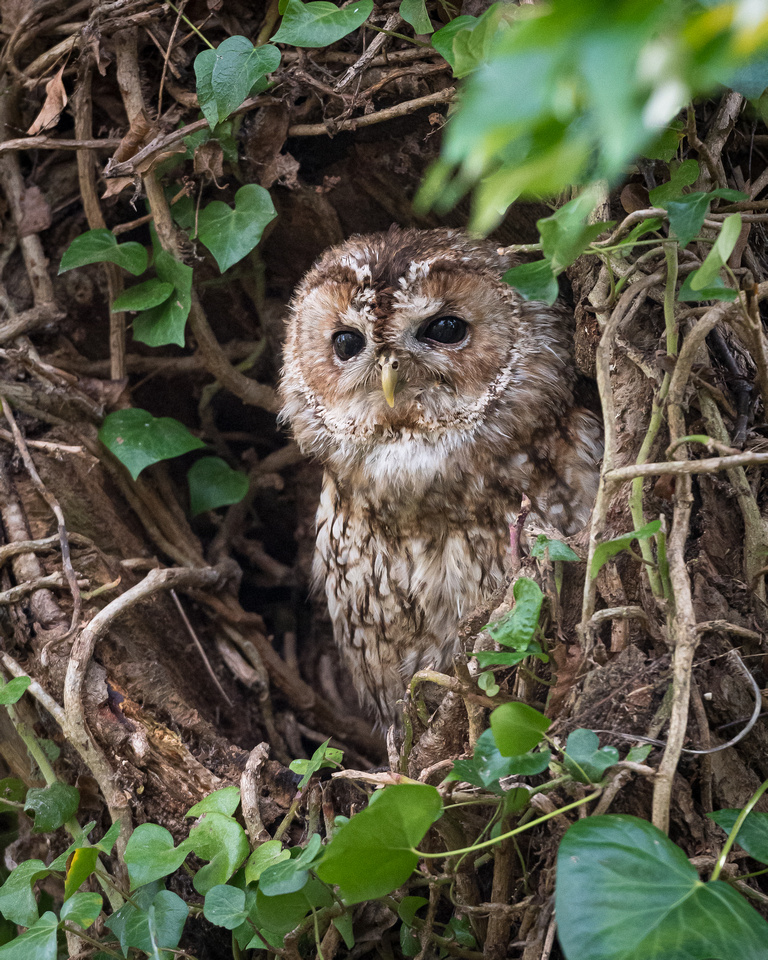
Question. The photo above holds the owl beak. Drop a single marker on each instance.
(389, 367)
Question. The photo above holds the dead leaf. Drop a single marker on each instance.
(209, 160)
(635, 197)
(55, 101)
(35, 212)
(116, 185)
(137, 137)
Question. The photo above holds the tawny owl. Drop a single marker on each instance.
(434, 396)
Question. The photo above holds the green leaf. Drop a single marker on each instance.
(518, 728)
(151, 293)
(213, 483)
(281, 878)
(14, 790)
(683, 176)
(52, 805)
(165, 323)
(82, 908)
(624, 891)
(751, 80)
(374, 853)
(225, 906)
(345, 926)
(150, 854)
(687, 214)
(225, 801)
(442, 41)
(509, 658)
(231, 234)
(752, 835)
(708, 273)
(156, 923)
(488, 766)
(38, 942)
(716, 290)
(473, 44)
(556, 549)
(321, 23)
(487, 682)
(222, 841)
(415, 13)
(317, 761)
(13, 690)
(108, 840)
(638, 754)
(609, 548)
(517, 628)
(81, 866)
(17, 901)
(280, 915)
(138, 439)
(667, 143)
(100, 246)
(264, 856)
(534, 281)
(226, 75)
(585, 759)
(565, 235)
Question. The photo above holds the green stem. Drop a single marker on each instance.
(735, 829)
(512, 833)
(190, 25)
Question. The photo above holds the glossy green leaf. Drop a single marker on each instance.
(309, 767)
(624, 891)
(138, 439)
(509, 658)
(82, 908)
(52, 805)
(213, 483)
(222, 841)
(517, 628)
(40, 941)
(374, 853)
(165, 323)
(534, 281)
(158, 918)
(279, 915)
(472, 45)
(721, 249)
(415, 13)
(150, 854)
(231, 234)
(225, 906)
(283, 877)
(225, 801)
(264, 856)
(716, 290)
(639, 754)
(345, 926)
(518, 728)
(100, 246)
(151, 293)
(108, 840)
(687, 213)
(556, 550)
(81, 866)
(585, 759)
(682, 176)
(565, 235)
(752, 835)
(17, 901)
(609, 548)
(443, 39)
(320, 23)
(226, 75)
(487, 682)
(488, 766)
(13, 690)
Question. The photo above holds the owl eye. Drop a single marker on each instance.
(445, 330)
(347, 344)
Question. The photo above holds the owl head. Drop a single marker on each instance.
(406, 353)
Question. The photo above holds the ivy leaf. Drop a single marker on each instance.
(682, 176)
(264, 856)
(100, 246)
(225, 801)
(284, 877)
(706, 283)
(565, 235)
(615, 865)
(321, 23)
(226, 75)
(280, 915)
(442, 41)
(138, 439)
(231, 234)
(752, 835)
(225, 906)
(38, 942)
(17, 901)
(165, 323)
(488, 766)
(517, 628)
(716, 290)
(321, 758)
(81, 866)
(14, 790)
(415, 13)
(222, 841)
(509, 658)
(13, 690)
(82, 908)
(374, 853)
(518, 728)
(150, 854)
(609, 548)
(585, 759)
(151, 293)
(534, 281)
(52, 805)
(213, 483)
(687, 214)
(556, 549)
(154, 921)
(108, 840)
